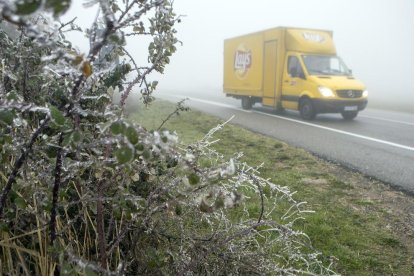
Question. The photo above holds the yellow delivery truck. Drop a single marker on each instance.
(291, 68)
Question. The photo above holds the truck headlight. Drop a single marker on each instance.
(325, 91)
(365, 93)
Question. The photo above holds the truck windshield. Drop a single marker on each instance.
(325, 65)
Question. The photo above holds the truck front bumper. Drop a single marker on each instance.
(337, 106)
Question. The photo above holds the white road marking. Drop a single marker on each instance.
(387, 120)
(306, 123)
(342, 132)
(212, 103)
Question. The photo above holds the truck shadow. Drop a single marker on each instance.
(320, 118)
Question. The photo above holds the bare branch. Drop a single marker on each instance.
(17, 166)
(179, 107)
(55, 192)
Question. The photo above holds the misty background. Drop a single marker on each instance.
(375, 38)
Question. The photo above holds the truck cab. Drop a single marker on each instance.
(315, 83)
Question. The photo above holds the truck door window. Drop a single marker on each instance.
(294, 68)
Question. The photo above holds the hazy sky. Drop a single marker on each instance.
(374, 37)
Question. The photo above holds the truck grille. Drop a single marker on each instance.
(349, 93)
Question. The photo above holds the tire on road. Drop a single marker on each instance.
(307, 109)
(246, 102)
(349, 115)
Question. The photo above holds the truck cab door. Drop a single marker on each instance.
(294, 81)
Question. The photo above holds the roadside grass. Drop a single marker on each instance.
(357, 221)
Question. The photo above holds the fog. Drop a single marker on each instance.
(375, 38)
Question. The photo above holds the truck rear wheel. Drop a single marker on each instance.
(246, 103)
(349, 115)
(306, 109)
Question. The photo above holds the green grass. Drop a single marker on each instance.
(345, 224)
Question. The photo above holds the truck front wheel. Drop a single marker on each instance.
(306, 109)
(246, 102)
(349, 115)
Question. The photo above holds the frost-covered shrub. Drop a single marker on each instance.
(83, 190)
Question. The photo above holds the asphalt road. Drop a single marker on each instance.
(378, 143)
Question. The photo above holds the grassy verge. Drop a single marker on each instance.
(366, 226)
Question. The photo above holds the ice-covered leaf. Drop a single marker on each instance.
(135, 177)
(219, 203)
(4, 227)
(77, 60)
(146, 154)
(178, 209)
(76, 136)
(66, 140)
(117, 128)
(115, 7)
(193, 179)
(20, 202)
(124, 155)
(57, 116)
(25, 7)
(110, 91)
(5, 139)
(89, 272)
(58, 6)
(132, 135)
(51, 151)
(6, 117)
(86, 69)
